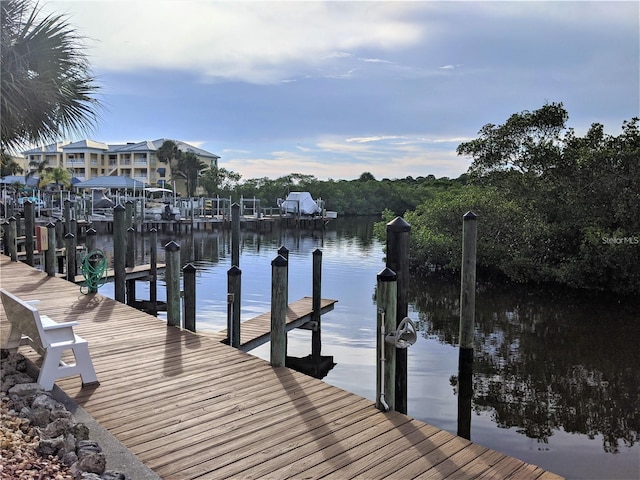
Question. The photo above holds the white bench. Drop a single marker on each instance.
(50, 339)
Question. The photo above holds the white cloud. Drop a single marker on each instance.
(374, 60)
(371, 139)
(256, 42)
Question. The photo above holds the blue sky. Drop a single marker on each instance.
(335, 89)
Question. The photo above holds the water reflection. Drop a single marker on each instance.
(546, 361)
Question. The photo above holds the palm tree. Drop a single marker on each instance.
(58, 175)
(36, 167)
(8, 166)
(47, 88)
(190, 167)
(170, 154)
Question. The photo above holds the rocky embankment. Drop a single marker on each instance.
(39, 438)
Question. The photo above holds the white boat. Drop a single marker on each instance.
(299, 203)
(159, 204)
(302, 205)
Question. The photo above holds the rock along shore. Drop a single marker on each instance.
(45, 435)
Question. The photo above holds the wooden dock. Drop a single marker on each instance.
(139, 272)
(256, 331)
(189, 406)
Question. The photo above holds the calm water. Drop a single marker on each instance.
(556, 378)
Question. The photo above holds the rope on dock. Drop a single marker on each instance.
(94, 269)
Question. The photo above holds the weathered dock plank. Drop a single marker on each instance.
(191, 407)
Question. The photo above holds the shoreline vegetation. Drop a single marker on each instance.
(553, 208)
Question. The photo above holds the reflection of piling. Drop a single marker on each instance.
(172, 279)
(234, 285)
(278, 311)
(119, 252)
(29, 230)
(467, 316)
(398, 261)
(386, 354)
(189, 279)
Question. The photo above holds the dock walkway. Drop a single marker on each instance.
(191, 407)
(257, 331)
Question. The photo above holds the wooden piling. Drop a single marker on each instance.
(398, 260)
(234, 301)
(5, 238)
(284, 252)
(29, 230)
(316, 339)
(131, 247)
(119, 252)
(73, 228)
(59, 231)
(278, 311)
(50, 252)
(70, 251)
(153, 273)
(235, 235)
(189, 280)
(172, 279)
(386, 354)
(153, 282)
(90, 240)
(67, 216)
(91, 237)
(467, 320)
(12, 235)
(128, 207)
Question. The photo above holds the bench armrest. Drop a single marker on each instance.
(31, 302)
(60, 325)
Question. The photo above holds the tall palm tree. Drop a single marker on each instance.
(190, 167)
(47, 88)
(170, 154)
(36, 167)
(58, 175)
